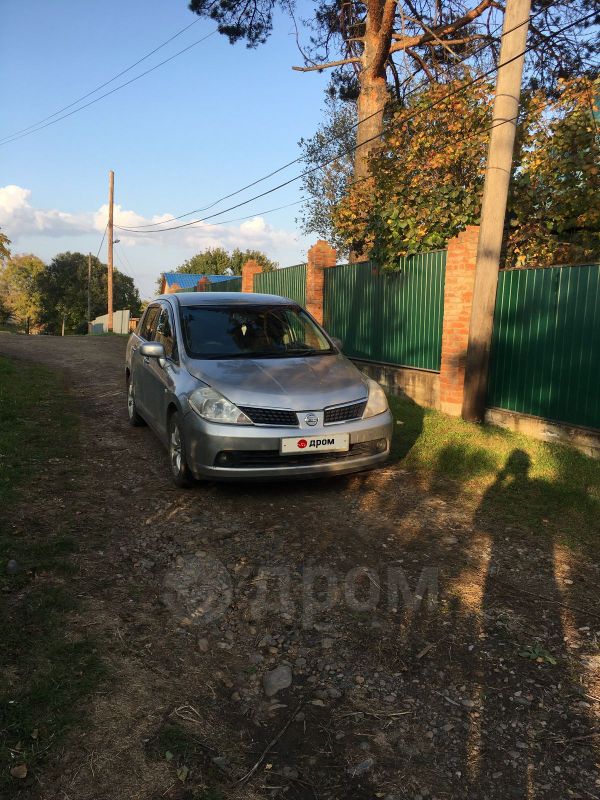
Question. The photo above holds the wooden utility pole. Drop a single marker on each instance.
(89, 293)
(110, 232)
(493, 207)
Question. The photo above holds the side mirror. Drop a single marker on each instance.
(152, 350)
(337, 342)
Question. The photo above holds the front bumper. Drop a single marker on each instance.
(253, 451)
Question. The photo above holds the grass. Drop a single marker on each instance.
(506, 479)
(46, 674)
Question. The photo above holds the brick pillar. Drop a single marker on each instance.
(202, 285)
(458, 299)
(249, 270)
(320, 256)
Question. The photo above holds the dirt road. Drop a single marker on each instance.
(204, 602)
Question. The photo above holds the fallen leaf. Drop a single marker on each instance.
(182, 773)
(169, 755)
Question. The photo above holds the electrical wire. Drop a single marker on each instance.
(14, 137)
(416, 113)
(237, 219)
(102, 85)
(102, 242)
(355, 125)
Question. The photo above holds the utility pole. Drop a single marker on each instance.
(493, 207)
(110, 231)
(89, 293)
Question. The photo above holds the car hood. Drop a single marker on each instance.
(298, 384)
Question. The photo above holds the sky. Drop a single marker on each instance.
(212, 120)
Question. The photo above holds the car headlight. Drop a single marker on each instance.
(377, 402)
(211, 405)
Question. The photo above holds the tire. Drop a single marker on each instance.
(180, 472)
(134, 418)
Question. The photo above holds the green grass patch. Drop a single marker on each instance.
(46, 672)
(505, 479)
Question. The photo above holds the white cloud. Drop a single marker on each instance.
(143, 256)
(18, 218)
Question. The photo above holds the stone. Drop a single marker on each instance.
(361, 768)
(277, 679)
(12, 567)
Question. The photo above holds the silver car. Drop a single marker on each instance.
(250, 386)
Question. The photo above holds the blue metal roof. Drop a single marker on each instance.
(189, 281)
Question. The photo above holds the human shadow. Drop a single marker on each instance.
(531, 683)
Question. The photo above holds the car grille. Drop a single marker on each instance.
(343, 413)
(247, 459)
(271, 416)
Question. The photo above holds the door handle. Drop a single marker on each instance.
(146, 359)
(133, 349)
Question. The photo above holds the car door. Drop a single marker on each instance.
(160, 380)
(140, 364)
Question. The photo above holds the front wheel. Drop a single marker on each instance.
(180, 472)
(134, 418)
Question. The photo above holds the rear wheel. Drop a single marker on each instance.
(180, 472)
(134, 418)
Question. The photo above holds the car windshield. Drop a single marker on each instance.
(251, 331)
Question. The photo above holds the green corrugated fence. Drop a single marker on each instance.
(545, 357)
(288, 282)
(234, 284)
(394, 318)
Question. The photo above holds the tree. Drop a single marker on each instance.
(327, 186)
(20, 288)
(373, 45)
(4, 246)
(427, 179)
(64, 285)
(554, 206)
(217, 261)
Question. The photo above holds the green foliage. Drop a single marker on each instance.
(64, 286)
(20, 288)
(326, 187)
(427, 179)
(217, 260)
(555, 195)
(37, 294)
(4, 246)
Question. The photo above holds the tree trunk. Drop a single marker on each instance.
(373, 94)
(373, 84)
(371, 101)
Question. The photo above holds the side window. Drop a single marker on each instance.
(149, 323)
(164, 334)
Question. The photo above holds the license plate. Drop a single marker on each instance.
(339, 442)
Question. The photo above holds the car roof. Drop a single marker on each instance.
(226, 298)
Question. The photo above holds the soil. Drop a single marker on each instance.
(432, 653)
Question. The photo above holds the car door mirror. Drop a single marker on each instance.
(153, 350)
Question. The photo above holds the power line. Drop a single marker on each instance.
(102, 242)
(355, 125)
(237, 219)
(14, 137)
(355, 147)
(102, 85)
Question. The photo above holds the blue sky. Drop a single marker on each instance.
(212, 120)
